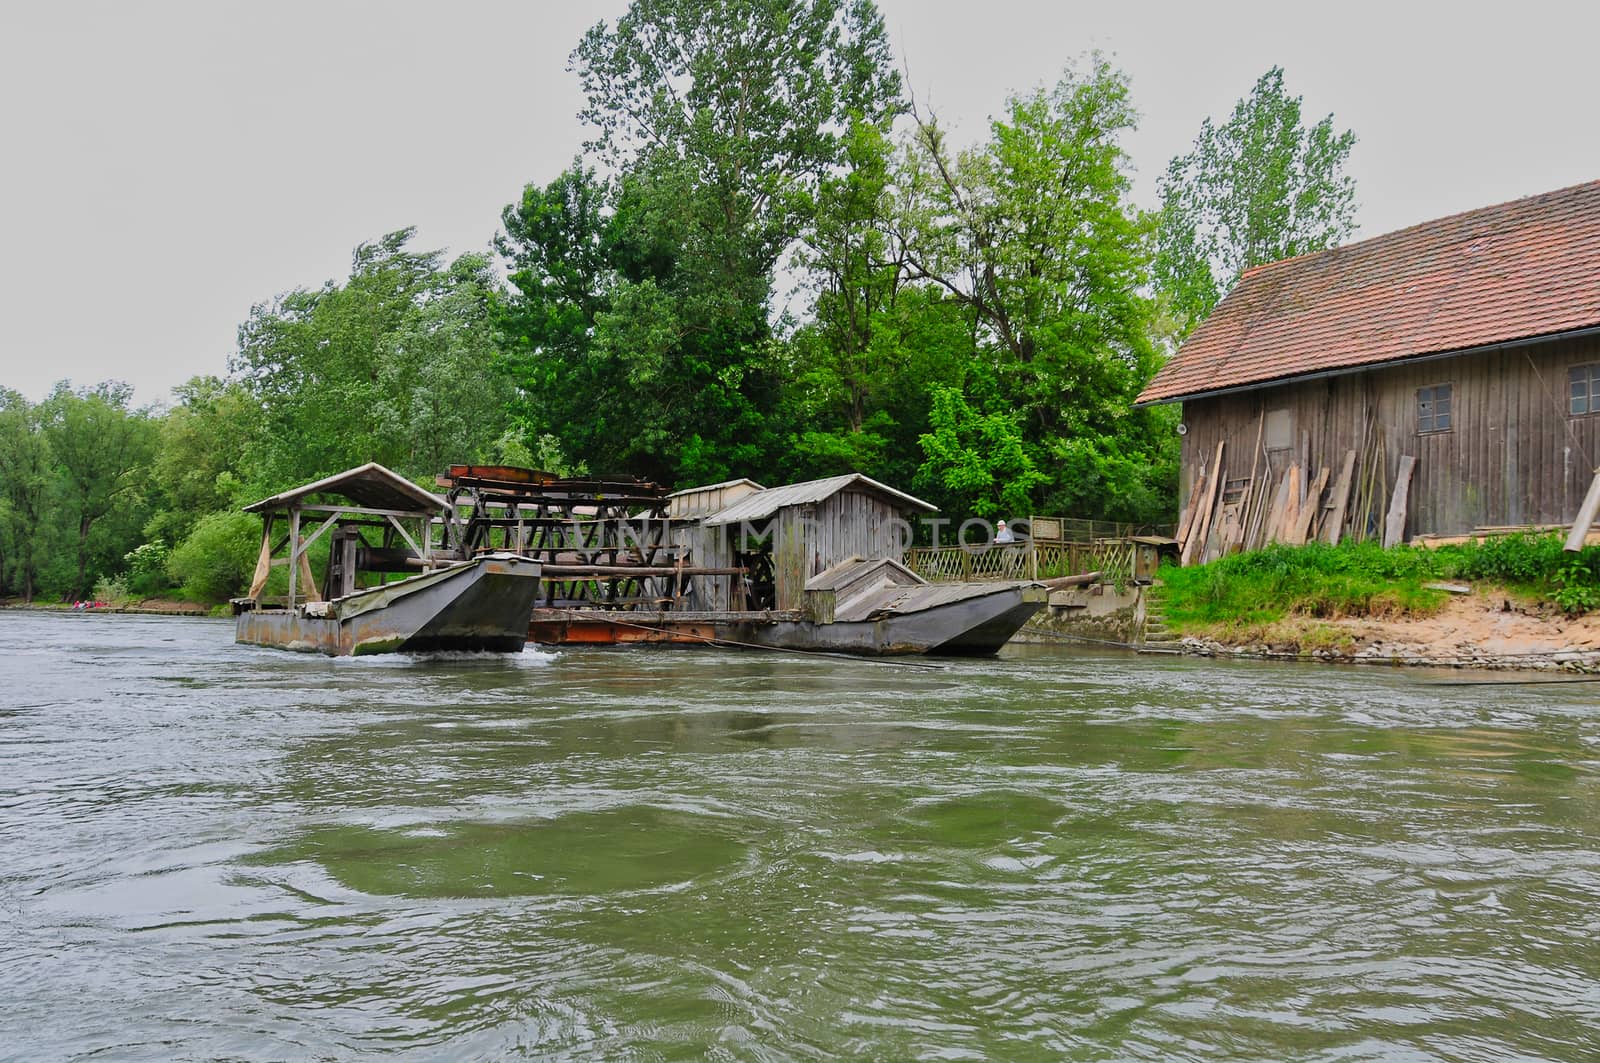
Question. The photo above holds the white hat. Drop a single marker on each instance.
(1002, 524)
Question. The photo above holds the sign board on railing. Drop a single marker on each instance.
(1046, 528)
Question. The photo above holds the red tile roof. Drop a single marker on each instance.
(1522, 269)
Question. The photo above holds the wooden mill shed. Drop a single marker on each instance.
(1470, 344)
(697, 502)
(807, 528)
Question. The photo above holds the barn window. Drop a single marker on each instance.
(1279, 430)
(1433, 408)
(1583, 389)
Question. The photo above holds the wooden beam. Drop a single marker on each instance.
(1341, 500)
(419, 551)
(328, 508)
(1586, 515)
(324, 526)
(1246, 504)
(1394, 528)
(1291, 508)
(1275, 515)
(565, 573)
(294, 551)
(1202, 520)
(1309, 509)
(1187, 521)
(312, 593)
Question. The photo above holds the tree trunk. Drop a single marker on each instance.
(83, 558)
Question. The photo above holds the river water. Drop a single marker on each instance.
(213, 851)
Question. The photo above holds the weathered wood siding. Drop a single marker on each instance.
(1513, 453)
(710, 548)
(809, 539)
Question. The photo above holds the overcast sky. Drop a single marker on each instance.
(165, 165)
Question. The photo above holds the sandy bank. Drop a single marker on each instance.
(1479, 630)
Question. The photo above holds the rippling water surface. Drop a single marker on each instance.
(210, 851)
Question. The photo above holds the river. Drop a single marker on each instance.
(213, 851)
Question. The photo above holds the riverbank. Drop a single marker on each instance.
(144, 607)
(1486, 628)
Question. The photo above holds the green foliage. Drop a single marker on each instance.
(102, 452)
(27, 481)
(205, 454)
(111, 590)
(973, 323)
(1258, 188)
(397, 365)
(638, 324)
(1514, 560)
(1034, 235)
(1578, 585)
(147, 569)
(1349, 580)
(978, 458)
(216, 561)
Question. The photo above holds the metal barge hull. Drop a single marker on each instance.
(951, 620)
(478, 605)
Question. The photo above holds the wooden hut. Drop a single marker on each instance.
(366, 502)
(1439, 379)
(789, 534)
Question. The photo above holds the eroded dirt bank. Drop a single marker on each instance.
(1478, 630)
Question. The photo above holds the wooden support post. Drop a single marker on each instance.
(1394, 528)
(294, 551)
(1586, 515)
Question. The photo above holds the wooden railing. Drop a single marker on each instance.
(1112, 558)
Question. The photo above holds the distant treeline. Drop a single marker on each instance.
(769, 263)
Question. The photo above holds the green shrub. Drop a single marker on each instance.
(111, 591)
(147, 569)
(1327, 582)
(217, 559)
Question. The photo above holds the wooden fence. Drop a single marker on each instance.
(1032, 559)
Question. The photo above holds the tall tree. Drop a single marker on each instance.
(26, 472)
(858, 371)
(103, 451)
(395, 365)
(717, 121)
(1258, 188)
(1034, 232)
(204, 457)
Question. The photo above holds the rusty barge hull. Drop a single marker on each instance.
(478, 605)
(968, 621)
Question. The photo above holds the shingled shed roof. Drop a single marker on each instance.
(369, 485)
(1520, 270)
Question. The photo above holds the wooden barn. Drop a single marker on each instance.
(789, 534)
(1433, 381)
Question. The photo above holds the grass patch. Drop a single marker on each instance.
(1253, 592)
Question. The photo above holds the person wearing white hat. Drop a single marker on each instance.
(1002, 534)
